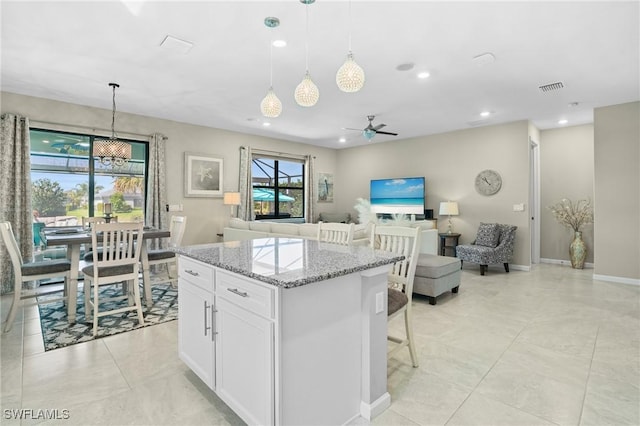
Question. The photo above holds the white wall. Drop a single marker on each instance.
(450, 163)
(617, 192)
(566, 157)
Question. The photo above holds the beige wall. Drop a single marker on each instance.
(617, 191)
(450, 162)
(566, 171)
(206, 216)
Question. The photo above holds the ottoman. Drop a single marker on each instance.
(435, 275)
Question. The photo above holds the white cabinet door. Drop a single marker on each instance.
(244, 362)
(196, 345)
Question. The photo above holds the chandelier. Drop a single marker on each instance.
(271, 105)
(307, 93)
(112, 152)
(350, 76)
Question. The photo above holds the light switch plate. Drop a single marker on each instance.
(518, 207)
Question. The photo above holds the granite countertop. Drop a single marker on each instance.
(288, 262)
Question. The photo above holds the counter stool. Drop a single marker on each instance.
(436, 275)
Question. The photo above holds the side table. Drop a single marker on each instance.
(452, 238)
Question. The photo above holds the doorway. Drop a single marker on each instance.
(534, 201)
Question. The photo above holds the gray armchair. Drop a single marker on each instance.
(494, 244)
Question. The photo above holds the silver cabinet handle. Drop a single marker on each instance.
(206, 306)
(238, 292)
(213, 323)
(190, 272)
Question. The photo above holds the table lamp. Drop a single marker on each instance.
(449, 208)
(231, 199)
(107, 212)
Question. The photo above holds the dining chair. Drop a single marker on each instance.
(168, 257)
(31, 271)
(405, 241)
(120, 262)
(337, 233)
(87, 223)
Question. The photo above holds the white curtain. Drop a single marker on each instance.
(155, 211)
(310, 191)
(245, 209)
(15, 181)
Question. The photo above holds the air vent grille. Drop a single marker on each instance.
(551, 87)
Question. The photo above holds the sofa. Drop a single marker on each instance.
(239, 229)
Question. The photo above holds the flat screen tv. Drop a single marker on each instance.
(400, 195)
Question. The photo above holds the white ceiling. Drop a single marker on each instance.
(70, 51)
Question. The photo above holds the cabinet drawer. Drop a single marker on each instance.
(196, 272)
(246, 294)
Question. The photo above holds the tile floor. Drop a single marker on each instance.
(546, 347)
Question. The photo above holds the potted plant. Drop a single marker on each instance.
(574, 216)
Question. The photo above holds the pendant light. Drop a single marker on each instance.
(307, 93)
(112, 152)
(271, 106)
(350, 76)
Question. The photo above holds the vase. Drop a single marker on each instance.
(577, 251)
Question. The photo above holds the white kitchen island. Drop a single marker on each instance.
(287, 331)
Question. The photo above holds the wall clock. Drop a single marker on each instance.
(488, 182)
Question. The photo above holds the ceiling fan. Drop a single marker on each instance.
(370, 131)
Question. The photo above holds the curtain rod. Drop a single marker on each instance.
(279, 154)
(68, 127)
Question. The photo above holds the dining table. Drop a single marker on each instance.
(74, 238)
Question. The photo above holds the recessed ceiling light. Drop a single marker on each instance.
(405, 67)
(485, 113)
(563, 121)
(423, 74)
(266, 124)
(279, 43)
(342, 140)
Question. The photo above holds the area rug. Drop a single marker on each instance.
(58, 333)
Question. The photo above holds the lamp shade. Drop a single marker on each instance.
(231, 198)
(449, 208)
(307, 93)
(271, 105)
(350, 77)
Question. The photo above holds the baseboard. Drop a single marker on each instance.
(370, 411)
(613, 279)
(564, 262)
(519, 267)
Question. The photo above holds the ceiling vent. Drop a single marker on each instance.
(551, 87)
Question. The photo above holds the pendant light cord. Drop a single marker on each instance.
(349, 26)
(113, 111)
(271, 63)
(306, 44)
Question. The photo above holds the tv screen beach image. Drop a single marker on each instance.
(401, 195)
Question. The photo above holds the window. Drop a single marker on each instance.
(67, 184)
(278, 187)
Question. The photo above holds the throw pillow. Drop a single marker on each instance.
(335, 217)
(488, 235)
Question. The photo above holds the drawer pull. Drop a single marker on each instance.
(190, 272)
(205, 317)
(238, 292)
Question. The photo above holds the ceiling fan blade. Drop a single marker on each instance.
(386, 133)
(379, 126)
(350, 128)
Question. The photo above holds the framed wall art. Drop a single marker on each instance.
(203, 175)
(325, 187)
